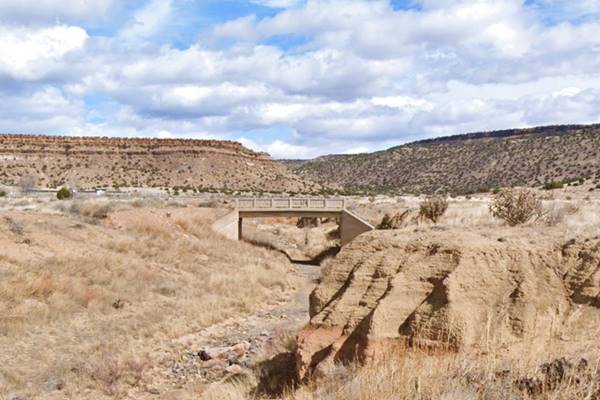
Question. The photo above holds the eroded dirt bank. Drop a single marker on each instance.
(452, 289)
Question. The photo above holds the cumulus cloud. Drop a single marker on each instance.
(32, 53)
(278, 3)
(280, 149)
(147, 21)
(35, 11)
(331, 75)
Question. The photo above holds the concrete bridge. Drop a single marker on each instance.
(351, 225)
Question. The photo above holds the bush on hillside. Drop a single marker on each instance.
(3, 193)
(433, 207)
(553, 185)
(64, 193)
(516, 206)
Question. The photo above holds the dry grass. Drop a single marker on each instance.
(99, 304)
(576, 216)
(95, 305)
(426, 375)
(422, 376)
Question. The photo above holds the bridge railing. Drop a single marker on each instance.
(254, 203)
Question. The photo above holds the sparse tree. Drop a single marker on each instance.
(516, 206)
(433, 207)
(63, 193)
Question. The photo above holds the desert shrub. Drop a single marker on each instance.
(101, 211)
(3, 193)
(108, 371)
(386, 222)
(557, 214)
(553, 185)
(138, 203)
(433, 207)
(208, 204)
(91, 209)
(516, 206)
(63, 193)
(395, 221)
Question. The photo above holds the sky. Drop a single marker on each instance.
(297, 78)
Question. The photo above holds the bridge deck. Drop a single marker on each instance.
(290, 206)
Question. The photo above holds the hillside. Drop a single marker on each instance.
(465, 163)
(89, 162)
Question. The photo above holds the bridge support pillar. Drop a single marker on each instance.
(351, 226)
(229, 225)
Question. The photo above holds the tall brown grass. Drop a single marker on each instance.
(83, 301)
(426, 375)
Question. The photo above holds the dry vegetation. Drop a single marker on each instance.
(93, 294)
(426, 375)
(433, 207)
(553, 156)
(181, 166)
(516, 206)
(89, 308)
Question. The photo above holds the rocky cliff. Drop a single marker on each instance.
(90, 162)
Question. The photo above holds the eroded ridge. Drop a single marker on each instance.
(437, 289)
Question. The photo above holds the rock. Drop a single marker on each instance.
(231, 353)
(16, 396)
(213, 352)
(153, 390)
(234, 369)
(241, 348)
(450, 289)
(204, 356)
(215, 364)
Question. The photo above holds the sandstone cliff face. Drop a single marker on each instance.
(90, 162)
(450, 289)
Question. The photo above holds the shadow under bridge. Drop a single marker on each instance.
(231, 225)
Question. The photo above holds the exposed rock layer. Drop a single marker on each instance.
(453, 290)
(90, 162)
